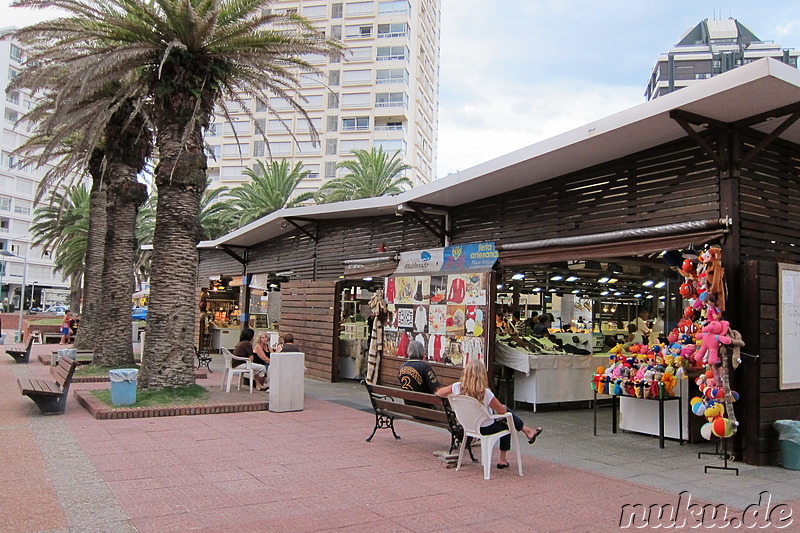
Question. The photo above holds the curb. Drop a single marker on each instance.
(101, 411)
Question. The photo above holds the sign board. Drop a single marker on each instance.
(789, 324)
(477, 257)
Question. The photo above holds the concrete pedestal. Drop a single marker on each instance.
(286, 385)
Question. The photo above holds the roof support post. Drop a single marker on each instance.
(683, 119)
(441, 231)
(313, 236)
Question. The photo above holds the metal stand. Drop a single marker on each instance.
(724, 454)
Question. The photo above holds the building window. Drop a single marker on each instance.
(213, 130)
(354, 100)
(391, 145)
(347, 146)
(13, 97)
(362, 53)
(333, 77)
(241, 128)
(393, 6)
(336, 33)
(333, 100)
(391, 75)
(397, 29)
(358, 31)
(330, 169)
(304, 125)
(5, 225)
(308, 147)
(279, 103)
(260, 126)
(359, 9)
(355, 124)
(333, 123)
(390, 100)
(16, 53)
(261, 106)
(12, 73)
(356, 77)
(235, 150)
(336, 11)
(11, 117)
(330, 146)
(5, 203)
(216, 150)
(280, 148)
(313, 102)
(313, 172)
(314, 12)
(258, 149)
(388, 53)
(232, 173)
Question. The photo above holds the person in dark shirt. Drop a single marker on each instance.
(417, 375)
(288, 344)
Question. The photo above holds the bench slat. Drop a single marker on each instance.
(411, 410)
(39, 387)
(421, 397)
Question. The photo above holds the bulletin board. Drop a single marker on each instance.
(789, 325)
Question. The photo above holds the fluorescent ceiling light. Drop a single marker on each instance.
(557, 277)
(613, 280)
(648, 283)
(367, 279)
(572, 278)
(576, 291)
(518, 276)
(660, 284)
(604, 293)
(603, 280)
(637, 295)
(537, 289)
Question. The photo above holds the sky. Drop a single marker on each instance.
(515, 72)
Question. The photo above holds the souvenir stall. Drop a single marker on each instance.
(220, 311)
(442, 298)
(354, 333)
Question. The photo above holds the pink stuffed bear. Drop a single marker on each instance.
(714, 333)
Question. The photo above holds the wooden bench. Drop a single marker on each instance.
(20, 352)
(50, 396)
(389, 403)
(82, 357)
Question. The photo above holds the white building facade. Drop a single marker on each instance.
(21, 265)
(384, 93)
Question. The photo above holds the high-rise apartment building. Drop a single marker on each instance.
(384, 92)
(21, 265)
(710, 48)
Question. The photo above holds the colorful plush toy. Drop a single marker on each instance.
(714, 333)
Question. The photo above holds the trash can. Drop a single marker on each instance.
(789, 435)
(123, 385)
(2, 338)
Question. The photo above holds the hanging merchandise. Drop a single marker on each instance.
(439, 298)
(379, 318)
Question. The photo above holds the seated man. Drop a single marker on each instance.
(416, 374)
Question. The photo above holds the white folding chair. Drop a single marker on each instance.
(239, 371)
(470, 414)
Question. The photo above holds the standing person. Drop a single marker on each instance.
(542, 328)
(475, 382)
(657, 329)
(288, 344)
(65, 330)
(73, 324)
(415, 374)
(641, 323)
(245, 349)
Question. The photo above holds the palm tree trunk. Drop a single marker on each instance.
(89, 333)
(75, 292)
(168, 360)
(125, 196)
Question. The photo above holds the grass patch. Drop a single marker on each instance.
(189, 395)
(45, 321)
(91, 371)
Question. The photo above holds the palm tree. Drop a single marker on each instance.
(180, 57)
(270, 188)
(62, 226)
(372, 173)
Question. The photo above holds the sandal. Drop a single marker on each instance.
(501, 466)
(536, 434)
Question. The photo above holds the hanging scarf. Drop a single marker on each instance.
(380, 314)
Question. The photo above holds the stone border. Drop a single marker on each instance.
(198, 374)
(101, 411)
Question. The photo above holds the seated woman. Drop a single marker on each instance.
(245, 349)
(261, 351)
(475, 382)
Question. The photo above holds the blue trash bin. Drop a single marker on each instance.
(123, 385)
(789, 435)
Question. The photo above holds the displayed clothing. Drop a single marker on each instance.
(420, 319)
(390, 290)
(458, 290)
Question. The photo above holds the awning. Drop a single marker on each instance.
(140, 294)
(379, 270)
(604, 250)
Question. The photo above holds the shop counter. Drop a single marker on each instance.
(225, 337)
(549, 378)
(642, 416)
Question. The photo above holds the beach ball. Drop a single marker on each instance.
(695, 400)
(705, 431)
(735, 395)
(699, 408)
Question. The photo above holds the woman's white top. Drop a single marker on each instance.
(487, 399)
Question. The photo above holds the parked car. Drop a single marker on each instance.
(57, 309)
(139, 313)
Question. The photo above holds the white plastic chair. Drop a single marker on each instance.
(470, 414)
(240, 371)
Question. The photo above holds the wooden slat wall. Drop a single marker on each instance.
(770, 224)
(216, 262)
(308, 311)
(673, 183)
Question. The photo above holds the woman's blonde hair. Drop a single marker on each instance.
(261, 336)
(474, 380)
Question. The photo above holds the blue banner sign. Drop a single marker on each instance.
(476, 257)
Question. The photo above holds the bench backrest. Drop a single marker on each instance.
(64, 371)
(438, 414)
